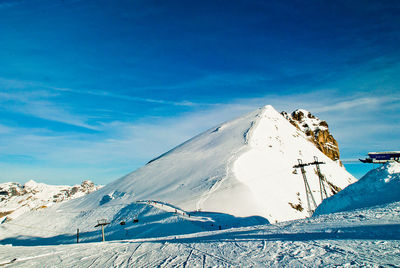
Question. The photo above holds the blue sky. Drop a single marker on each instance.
(95, 89)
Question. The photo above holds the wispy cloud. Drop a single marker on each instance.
(7, 84)
(35, 104)
(123, 97)
(21, 84)
(351, 104)
(10, 84)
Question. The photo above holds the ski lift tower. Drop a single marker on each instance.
(321, 178)
(102, 223)
(310, 197)
(309, 194)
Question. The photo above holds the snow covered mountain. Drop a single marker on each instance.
(378, 186)
(242, 167)
(16, 199)
(235, 174)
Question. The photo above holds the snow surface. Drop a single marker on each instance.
(361, 238)
(378, 186)
(239, 173)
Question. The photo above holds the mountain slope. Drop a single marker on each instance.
(378, 186)
(240, 169)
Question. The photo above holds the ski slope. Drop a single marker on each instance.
(365, 237)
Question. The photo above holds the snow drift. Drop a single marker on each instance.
(378, 186)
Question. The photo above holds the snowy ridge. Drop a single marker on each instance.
(378, 186)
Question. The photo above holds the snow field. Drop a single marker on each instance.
(367, 237)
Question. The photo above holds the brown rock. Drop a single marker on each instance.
(316, 130)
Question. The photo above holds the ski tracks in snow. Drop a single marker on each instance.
(301, 243)
(226, 253)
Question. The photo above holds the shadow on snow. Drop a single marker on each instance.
(369, 232)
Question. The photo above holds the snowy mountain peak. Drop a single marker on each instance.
(243, 167)
(30, 183)
(268, 108)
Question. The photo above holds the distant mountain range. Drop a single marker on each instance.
(16, 199)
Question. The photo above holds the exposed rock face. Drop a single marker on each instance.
(16, 199)
(316, 130)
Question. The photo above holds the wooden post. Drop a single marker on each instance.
(102, 231)
(102, 223)
(77, 235)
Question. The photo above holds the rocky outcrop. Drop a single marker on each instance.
(16, 199)
(316, 130)
(86, 187)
